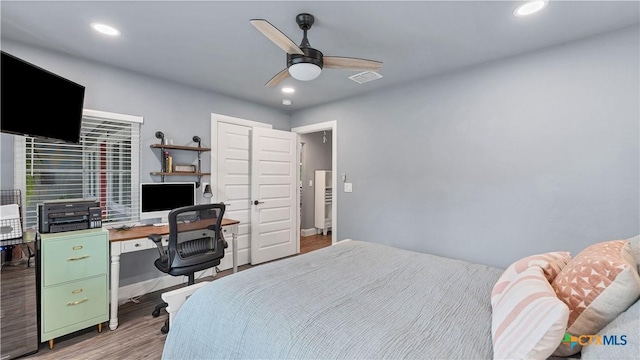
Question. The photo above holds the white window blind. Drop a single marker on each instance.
(103, 166)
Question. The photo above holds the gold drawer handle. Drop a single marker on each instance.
(78, 258)
(77, 302)
(76, 291)
(79, 247)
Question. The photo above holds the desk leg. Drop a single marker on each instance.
(115, 283)
(234, 237)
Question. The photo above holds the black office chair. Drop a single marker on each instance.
(195, 243)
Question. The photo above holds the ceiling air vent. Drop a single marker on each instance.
(365, 77)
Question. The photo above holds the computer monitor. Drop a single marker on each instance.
(158, 199)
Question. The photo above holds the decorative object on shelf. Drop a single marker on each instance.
(184, 168)
(160, 135)
(197, 139)
(167, 162)
(207, 191)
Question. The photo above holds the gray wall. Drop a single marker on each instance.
(179, 111)
(534, 153)
(316, 156)
(6, 161)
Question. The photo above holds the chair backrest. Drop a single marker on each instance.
(195, 237)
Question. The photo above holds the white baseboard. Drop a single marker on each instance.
(308, 232)
(144, 287)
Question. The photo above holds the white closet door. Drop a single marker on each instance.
(233, 185)
(273, 188)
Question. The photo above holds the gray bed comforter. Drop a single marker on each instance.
(354, 300)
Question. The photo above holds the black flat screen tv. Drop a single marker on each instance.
(36, 102)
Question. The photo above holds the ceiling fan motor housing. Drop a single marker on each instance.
(311, 56)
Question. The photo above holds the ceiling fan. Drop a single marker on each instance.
(305, 63)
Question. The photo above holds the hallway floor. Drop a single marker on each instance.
(314, 242)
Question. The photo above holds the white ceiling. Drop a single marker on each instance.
(212, 45)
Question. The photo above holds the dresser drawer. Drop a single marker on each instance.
(74, 257)
(75, 302)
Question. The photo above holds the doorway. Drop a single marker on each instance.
(318, 193)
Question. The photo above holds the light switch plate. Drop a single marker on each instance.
(310, 183)
(348, 187)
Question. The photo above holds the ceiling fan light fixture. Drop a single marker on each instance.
(304, 71)
(305, 63)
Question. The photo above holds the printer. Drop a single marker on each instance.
(68, 215)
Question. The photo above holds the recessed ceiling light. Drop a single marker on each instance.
(530, 7)
(286, 102)
(105, 29)
(288, 90)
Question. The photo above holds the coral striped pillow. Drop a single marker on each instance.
(528, 321)
(551, 263)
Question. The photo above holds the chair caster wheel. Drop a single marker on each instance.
(155, 313)
(165, 327)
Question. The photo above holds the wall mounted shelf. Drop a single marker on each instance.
(168, 172)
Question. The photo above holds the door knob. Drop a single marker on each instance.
(258, 202)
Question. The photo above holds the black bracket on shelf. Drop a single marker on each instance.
(160, 135)
(197, 139)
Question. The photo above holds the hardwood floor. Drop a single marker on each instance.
(18, 327)
(314, 242)
(138, 335)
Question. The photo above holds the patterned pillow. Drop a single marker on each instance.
(528, 321)
(597, 285)
(551, 263)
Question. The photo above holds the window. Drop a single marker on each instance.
(104, 166)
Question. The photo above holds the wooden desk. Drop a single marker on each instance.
(135, 239)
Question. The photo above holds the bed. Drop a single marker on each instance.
(351, 300)
(360, 300)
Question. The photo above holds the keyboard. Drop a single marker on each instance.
(160, 224)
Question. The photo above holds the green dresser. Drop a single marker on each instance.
(74, 280)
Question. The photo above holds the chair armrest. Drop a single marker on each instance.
(157, 239)
(224, 242)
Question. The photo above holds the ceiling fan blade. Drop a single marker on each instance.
(276, 36)
(278, 78)
(339, 62)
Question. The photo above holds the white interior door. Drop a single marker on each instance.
(273, 194)
(232, 186)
